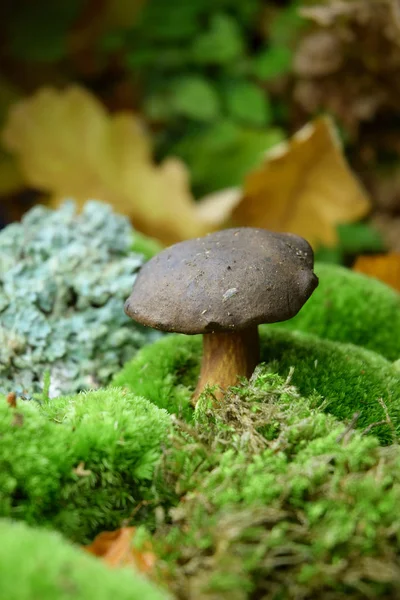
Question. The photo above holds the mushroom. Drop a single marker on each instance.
(223, 286)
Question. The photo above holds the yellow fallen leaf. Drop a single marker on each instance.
(304, 186)
(216, 209)
(11, 179)
(115, 548)
(69, 146)
(385, 267)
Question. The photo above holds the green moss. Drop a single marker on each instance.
(348, 378)
(278, 500)
(37, 564)
(352, 308)
(81, 463)
(165, 373)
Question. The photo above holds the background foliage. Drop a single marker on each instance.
(217, 83)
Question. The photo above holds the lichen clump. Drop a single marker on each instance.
(63, 280)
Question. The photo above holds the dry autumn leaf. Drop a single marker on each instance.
(385, 267)
(216, 209)
(304, 186)
(11, 399)
(69, 146)
(116, 550)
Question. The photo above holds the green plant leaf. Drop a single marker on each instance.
(221, 155)
(167, 21)
(221, 44)
(248, 103)
(273, 62)
(354, 238)
(195, 97)
(360, 237)
(287, 25)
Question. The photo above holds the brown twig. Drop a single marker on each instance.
(386, 421)
(343, 436)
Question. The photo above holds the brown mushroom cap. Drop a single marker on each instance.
(225, 281)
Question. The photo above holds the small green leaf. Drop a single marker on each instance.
(170, 21)
(158, 108)
(166, 59)
(223, 154)
(274, 62)
(248, 103)
(356, 238)
(221, 44)
(287, 25)
(195, 97)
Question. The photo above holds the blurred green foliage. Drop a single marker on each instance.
(198, 71)
(353, 239)
(204, 69)
(220, 155)
(214, 80)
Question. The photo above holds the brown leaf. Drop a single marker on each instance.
(11, 180)
(11, 399)
(18, 420)
(304, 187)
(216, 209)
(69, 146)
(116, 550)
(385, 267)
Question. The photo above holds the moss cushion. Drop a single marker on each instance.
(352, 308)
(347, 378)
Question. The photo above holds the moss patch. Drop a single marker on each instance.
(80, 464)
(352, 308)
(165, 372)
(37, 564)
(276, 500)
(348, 378)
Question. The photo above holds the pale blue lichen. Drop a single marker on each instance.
(63, 280)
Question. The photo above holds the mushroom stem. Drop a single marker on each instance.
(226, 357)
